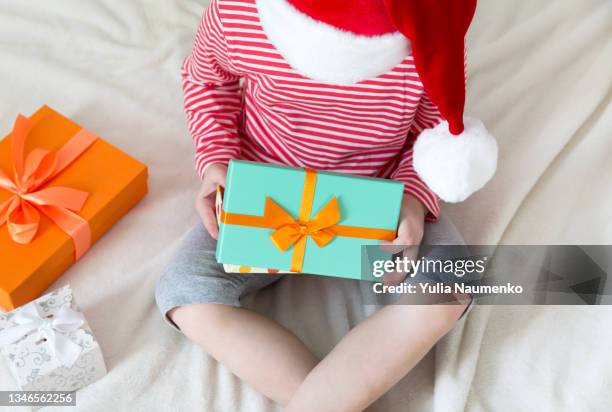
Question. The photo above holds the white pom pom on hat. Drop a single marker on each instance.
(452, 166)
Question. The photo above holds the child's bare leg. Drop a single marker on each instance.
(373, 357)
(258, 350)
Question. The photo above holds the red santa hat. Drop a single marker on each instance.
(455, 158)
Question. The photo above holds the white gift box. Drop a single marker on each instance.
(49, 346)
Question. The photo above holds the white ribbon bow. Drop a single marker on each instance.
(29, 319)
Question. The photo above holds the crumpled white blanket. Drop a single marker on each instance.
(539, 76)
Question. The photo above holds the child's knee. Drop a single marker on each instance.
(200, 315)
(192, 320)
(184, 316)
(191, 288)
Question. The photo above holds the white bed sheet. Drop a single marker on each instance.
(540, 78)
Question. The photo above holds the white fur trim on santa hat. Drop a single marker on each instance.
(326, 54)
(452, 166)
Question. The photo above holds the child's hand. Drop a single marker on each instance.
(409, 235)
(205, 201)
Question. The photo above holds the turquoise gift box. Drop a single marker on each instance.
(301, 220)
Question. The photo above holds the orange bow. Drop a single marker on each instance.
(290, 231)
(322, 228)
(21, 211)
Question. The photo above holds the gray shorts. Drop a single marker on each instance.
(193, 276)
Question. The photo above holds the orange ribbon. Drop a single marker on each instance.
(30, 174)
(322, 228)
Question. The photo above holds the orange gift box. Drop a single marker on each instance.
(105, 182)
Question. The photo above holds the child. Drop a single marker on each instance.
(330, 86)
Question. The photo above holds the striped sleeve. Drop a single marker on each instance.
(212, 94)
(427, 116)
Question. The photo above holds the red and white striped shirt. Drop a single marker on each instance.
(279, 116)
